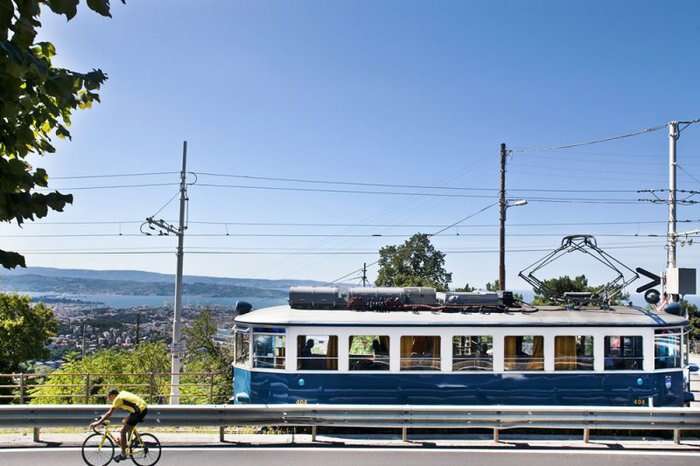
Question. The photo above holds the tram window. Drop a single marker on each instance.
(420, 353)
(573, 353)
(269, 351)
(524, 353)
(369, 352)
(317, 352)
(472, 353)
(667, 349)
(624, 353)
(242, 347)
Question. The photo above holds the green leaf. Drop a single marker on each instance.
(69, 8)
(10, 260)
(100, 6)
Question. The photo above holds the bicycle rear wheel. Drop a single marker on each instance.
(97, 450)
(145, 450)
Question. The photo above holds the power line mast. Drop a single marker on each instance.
(502, 222)
(672, 238)
(364, 274)
(165, 228)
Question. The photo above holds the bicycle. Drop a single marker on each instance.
(98, 449)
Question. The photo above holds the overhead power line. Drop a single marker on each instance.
(362, 225)
(404, 186)
(114, 175)
(420, 194)
(592, 142)
(282, 253)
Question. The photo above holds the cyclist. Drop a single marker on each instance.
(130, 403)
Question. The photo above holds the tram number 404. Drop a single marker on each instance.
(641, 402)
(301, 402)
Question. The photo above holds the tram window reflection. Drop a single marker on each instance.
(269, 351)
(573, 353)
(473, 353)
(667, 349)
(317, 352)
(420, 353)
(623, 353)
(524, 353)
(369, 353)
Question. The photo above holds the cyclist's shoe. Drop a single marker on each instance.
(120, 457)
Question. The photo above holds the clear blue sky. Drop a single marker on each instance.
(406, 92)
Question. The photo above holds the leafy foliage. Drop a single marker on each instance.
(204, 354)
(466, 288)
(693, 317)
(414, 263)
(37, 100)
(25, 330)
(565, 284)
(128, 370)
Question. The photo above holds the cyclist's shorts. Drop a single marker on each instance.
(135, 418)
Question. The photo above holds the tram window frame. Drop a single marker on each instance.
(327, 361)
(377, 355)
(662, 338)
(621, 361)
(426, 361)
(583, 357)
(241, 347)
(520, 361)
(275, 360)
(480, 360)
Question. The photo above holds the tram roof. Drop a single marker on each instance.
(546, 316)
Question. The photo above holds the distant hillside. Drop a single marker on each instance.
(138, 283)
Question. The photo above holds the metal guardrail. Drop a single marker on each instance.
(368, 416)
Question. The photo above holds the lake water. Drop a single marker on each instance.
(127, 301)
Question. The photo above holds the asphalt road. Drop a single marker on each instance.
(368, 457)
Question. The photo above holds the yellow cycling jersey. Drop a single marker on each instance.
(129, 402)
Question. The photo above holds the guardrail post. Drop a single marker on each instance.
(586, 435)
(35, 435)
(222, 433)
(677, 436)
(496, 435)
(404, 434)
(314, 430)
(22, 388)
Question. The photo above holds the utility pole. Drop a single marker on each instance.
(165, 229)
(672, 220)
(672, 239)
(502, 222)
(364, 274)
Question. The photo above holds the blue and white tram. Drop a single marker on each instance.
(319, 351)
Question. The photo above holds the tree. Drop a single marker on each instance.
(36, 103)
(414, 263)
(467, 288)
(25, 329)
(205, 355)
(562, 285)
(24, 332)
(496, 286)
(145, 370)
(693, 317)
(565, 284)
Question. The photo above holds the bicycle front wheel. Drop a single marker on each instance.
(97, 450)
(145, 450)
